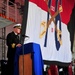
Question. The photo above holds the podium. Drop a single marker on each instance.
(32, 64)
(25, 64)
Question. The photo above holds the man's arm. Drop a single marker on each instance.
(9, 41)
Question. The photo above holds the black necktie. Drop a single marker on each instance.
(18, 37)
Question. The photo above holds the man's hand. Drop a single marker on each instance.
(18, 45)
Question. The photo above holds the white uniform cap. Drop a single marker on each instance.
(17, 26)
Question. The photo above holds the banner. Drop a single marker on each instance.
(47, 26)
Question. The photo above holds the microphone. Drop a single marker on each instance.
(22, 38)
(25, 36)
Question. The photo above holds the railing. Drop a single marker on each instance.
(10, 11)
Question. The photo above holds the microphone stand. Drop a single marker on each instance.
(23, 37)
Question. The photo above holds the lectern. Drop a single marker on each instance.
(25, 64)
(29, 63)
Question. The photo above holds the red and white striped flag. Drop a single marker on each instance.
(40, 19)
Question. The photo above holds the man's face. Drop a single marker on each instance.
(17, 30)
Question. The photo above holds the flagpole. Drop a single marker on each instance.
(24, 21)
(23, 28)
